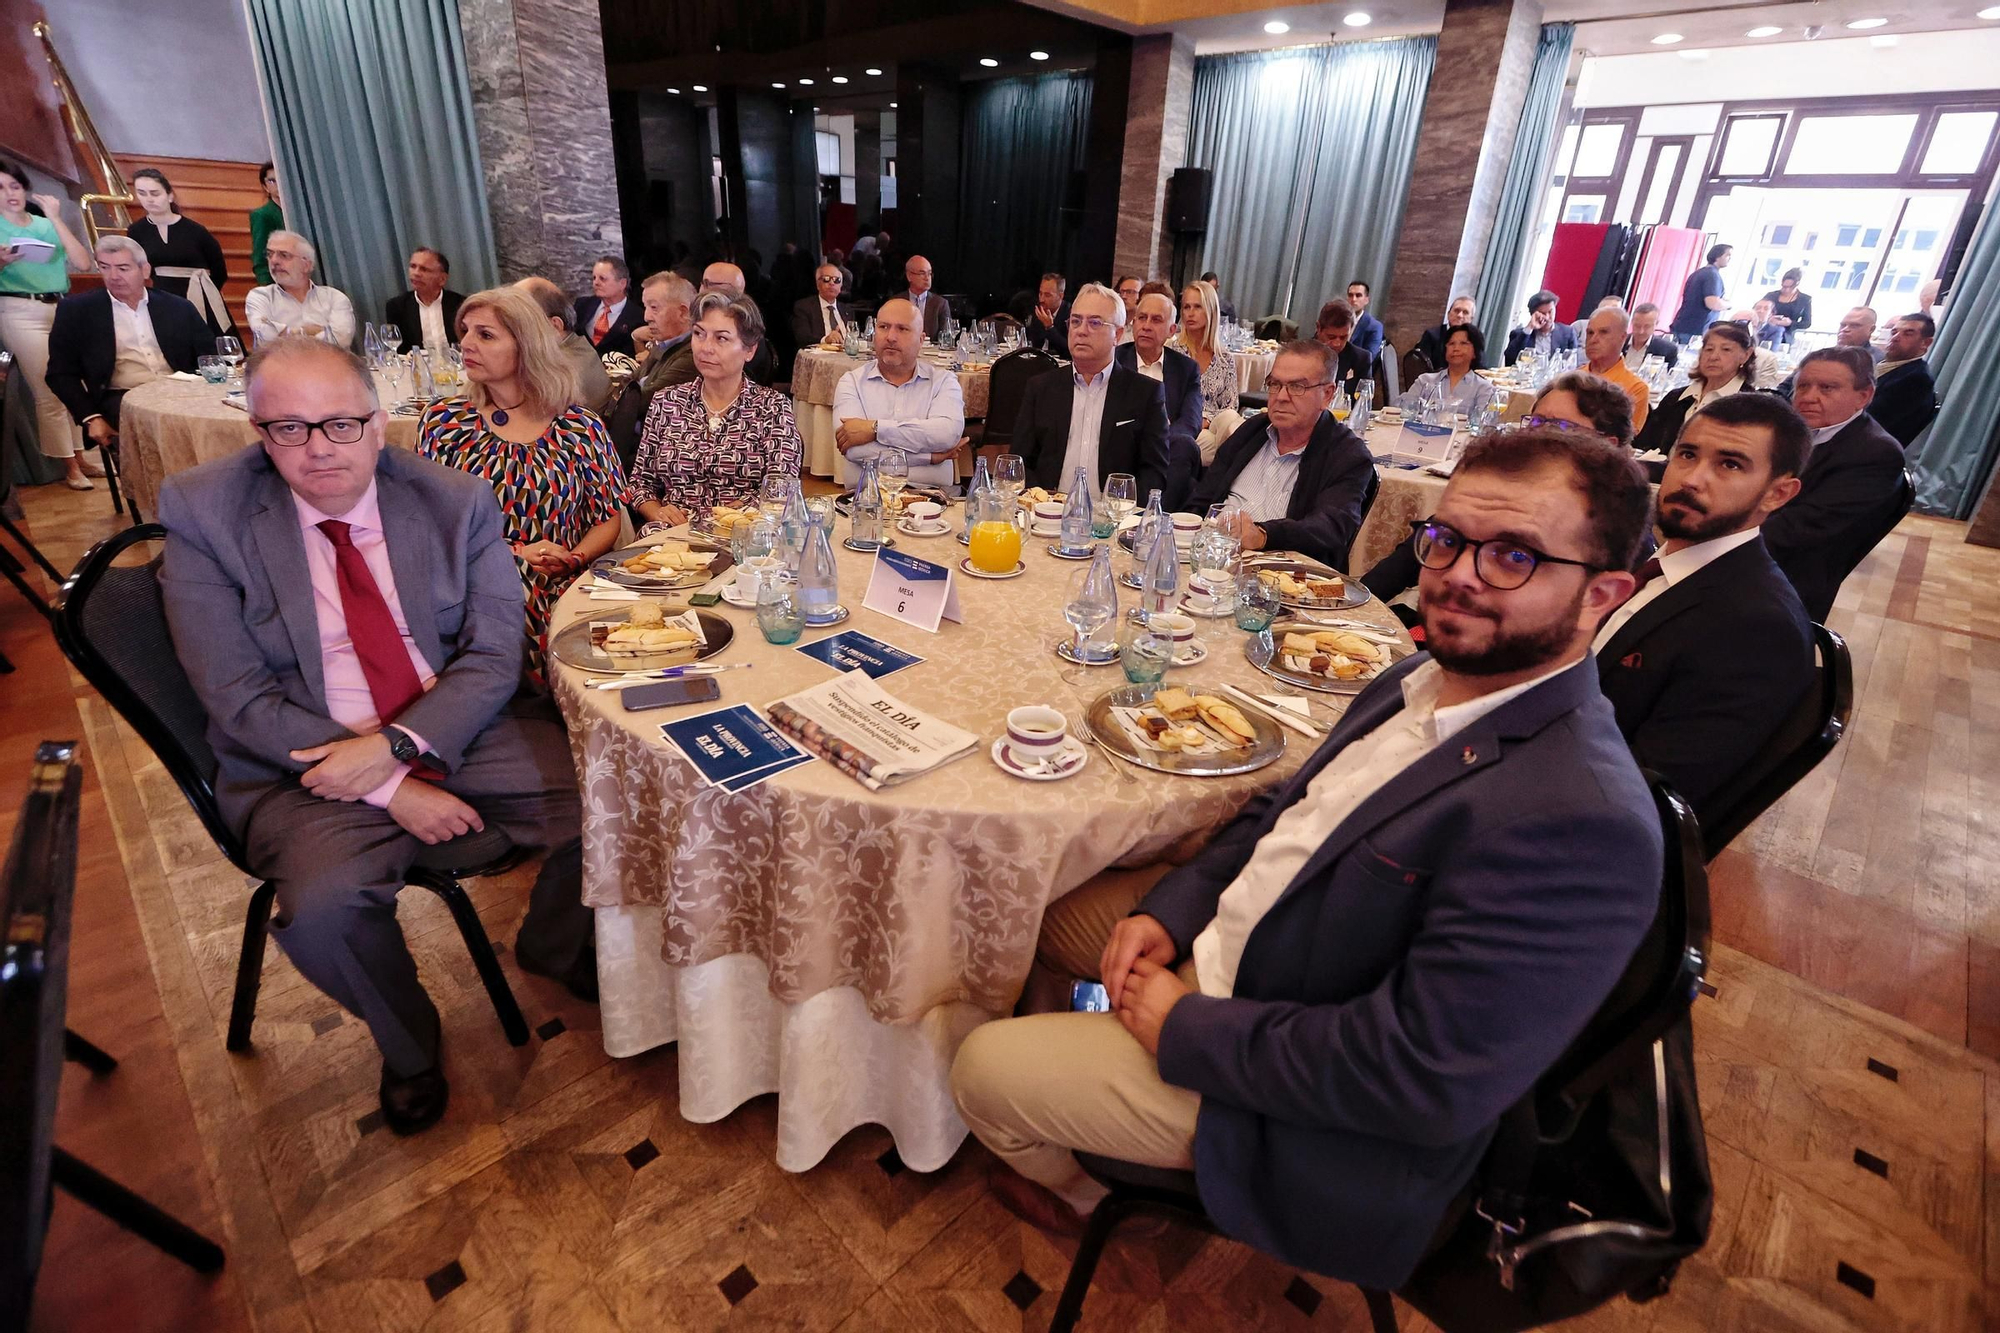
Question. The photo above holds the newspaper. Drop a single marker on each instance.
(867, 733)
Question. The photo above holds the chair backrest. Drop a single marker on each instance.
(1388, 376)
(1906, 497)
(1414, 364)
(1659, 983)
(1807, 736)
(111, 622)
(1005, 388)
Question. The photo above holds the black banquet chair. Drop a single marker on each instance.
(1806, 737)
(1009, 382)
(111, 623)
(1646, 1009)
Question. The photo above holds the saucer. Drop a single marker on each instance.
(1189, 608)
(1068, 760)
(1191, 655)
(1131, 579)
(834, 617)
(903, 525)
(885, 544)
(1061, 554)
(1068, 654)
(1045, 530)
(729, 594)
(966, 566)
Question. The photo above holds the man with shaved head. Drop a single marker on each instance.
(723, 276)
(899, 403)
(1604, 347)
(932, 311)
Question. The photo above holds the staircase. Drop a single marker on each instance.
(218, 195)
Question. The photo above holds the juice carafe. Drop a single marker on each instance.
(996, 540)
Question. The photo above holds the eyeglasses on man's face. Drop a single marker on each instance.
(290, 433)
(1293, 388)
(1500, 562)
(1535, 421)
(1089, 324)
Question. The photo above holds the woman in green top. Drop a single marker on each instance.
(29, 290)
(266, 218)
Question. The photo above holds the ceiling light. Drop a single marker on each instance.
(1990, 12)
(1667, 39)
(1357, 20)
(1862, 25)
(675, 91)
(989, 62)
(892, 106)
(840, 78)
(805, 83)
(1038, 55)
(778, 85)
(699, 87)
(1768, 30)
(872, 73)
(1277, 27)
(1884, 39)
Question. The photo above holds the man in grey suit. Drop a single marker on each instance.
(350, 616)
(1325, 1014)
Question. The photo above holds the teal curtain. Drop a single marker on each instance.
(371, 116)
(1019, 142)
(1311, 150)
(1527, 173)
(1956, 455)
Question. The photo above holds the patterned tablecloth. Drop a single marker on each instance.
(171, 425)
(1252, 365)
(814, 376)
(832, 944)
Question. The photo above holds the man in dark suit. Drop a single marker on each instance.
(106, 342)
(723, 276)
(1096, 415)
(1299, 475)
(1226, 306)
(1715, 649)
(1046, 326)
(1335, 328)
(607, 316)
(822, 316)
(1326, 1013)
(427, 314)
(350, 617)
(1851, 490)
(1541, 334)
(932, 310)
(1367, 329)
(1645, 340)
(1153, 322)
(1430, 344)
(1906, 398)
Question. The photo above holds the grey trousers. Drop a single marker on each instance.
(338, 867)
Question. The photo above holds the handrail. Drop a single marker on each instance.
(112, 192)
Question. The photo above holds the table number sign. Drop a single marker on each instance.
(912, 590)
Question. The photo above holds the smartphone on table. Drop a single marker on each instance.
(668, 693)
(1089, 997)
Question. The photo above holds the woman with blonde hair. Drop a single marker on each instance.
(1201, 327)
(549, 461)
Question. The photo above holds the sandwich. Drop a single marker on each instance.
(646, 633)
(1226, 718)
(1176, 704)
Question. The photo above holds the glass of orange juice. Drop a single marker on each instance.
(995, 546)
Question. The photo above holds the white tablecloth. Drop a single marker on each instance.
(1251, 368)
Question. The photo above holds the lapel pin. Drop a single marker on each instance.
(1467, 756)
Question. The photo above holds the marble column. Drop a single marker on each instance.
(1471, 114)
(1157, 109)
(543, 113)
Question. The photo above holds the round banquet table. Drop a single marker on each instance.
(814, 376)
(1252, 365)
(173, 424)
(834, 945)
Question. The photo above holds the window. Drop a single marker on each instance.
(1850, 145)
(1778, 233)
(1846, 235)
(1926, 240)
(1584, 208)
(1958, 144)
(1872, 237)
(1907, 283)
(1830, 280)
(1812, 241)
(1597, 152)
(828, 144)
(1857, 277)
(1902, 239)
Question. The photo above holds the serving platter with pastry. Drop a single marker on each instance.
(893, 505)
(1036, 495)
(723, 522)
(647, 636)
(1174, 730)
(1304, 586)
(676, 562)
(1332, 660)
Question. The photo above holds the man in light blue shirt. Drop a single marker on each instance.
(900, 403)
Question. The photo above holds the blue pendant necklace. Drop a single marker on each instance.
(500, 413)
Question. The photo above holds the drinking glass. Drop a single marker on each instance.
(821, 509)
(771, 496)
(1093, 603)
(211, 368)
(1010, 474)
(1256, 601)
(1144, 655)
(778, 612)
(1121, 496)
(892, 473)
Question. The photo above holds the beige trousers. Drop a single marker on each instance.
(24, 331)
(1077, 925)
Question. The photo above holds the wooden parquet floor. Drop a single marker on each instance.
(1852, 1100)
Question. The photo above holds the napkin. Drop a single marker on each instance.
(601, 591)
(1291, 703)
(185, 375)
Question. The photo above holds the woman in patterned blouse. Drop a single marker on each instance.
(712, 440)
(550, 462)
(1201, 323)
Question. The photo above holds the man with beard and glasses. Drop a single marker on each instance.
(1326, 1012)
(1710, 656)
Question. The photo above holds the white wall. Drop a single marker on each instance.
(166, 78)
(1921, 62)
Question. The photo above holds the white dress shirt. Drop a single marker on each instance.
(1155, 369)
(1357, 773)
(1264, 487)
(830, 321)
(431, 317)
(1673, 568)
(1086, 420)
(609, 314)
(274, 312)
(138, 358)
(924, 416)
(1825, 433)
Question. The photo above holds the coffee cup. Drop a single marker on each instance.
(753, 573)
(1186, 525)
(1048, 513)
(1035, 733)
(1174, 626)
(925, 514)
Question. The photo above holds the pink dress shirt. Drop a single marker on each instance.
(348, 699)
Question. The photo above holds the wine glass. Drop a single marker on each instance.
(1121, 495)
(892, 473)
(771, 496)
(1093, 604)
(1010, 474)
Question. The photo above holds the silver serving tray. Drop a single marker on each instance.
(610, 567)
(1262, 650)
(1265, 749)
(1356, 594)
(572, 647)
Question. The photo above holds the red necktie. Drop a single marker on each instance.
(385, 662)
(1648, 572)
(602, 326)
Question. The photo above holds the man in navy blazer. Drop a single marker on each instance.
(1541, 333)
(1390, 948)
(96, 354)
(1093, 412)
(610, 296)
(1906, 398)
(1148, 354)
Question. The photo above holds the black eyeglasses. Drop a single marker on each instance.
(291, 434)
(1501, 564)
(1535, 421)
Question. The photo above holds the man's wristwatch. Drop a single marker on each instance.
(400, 745)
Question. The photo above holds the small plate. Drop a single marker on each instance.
(966, 566)
(1189, 608)
(1061, 554)
(727, 592)
(840, 613)
(909, 529)
(1068, 654)
(572, 647)
(1070, 757)
(887, 543)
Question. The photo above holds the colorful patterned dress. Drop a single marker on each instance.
(691, 460)
(555, 489)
